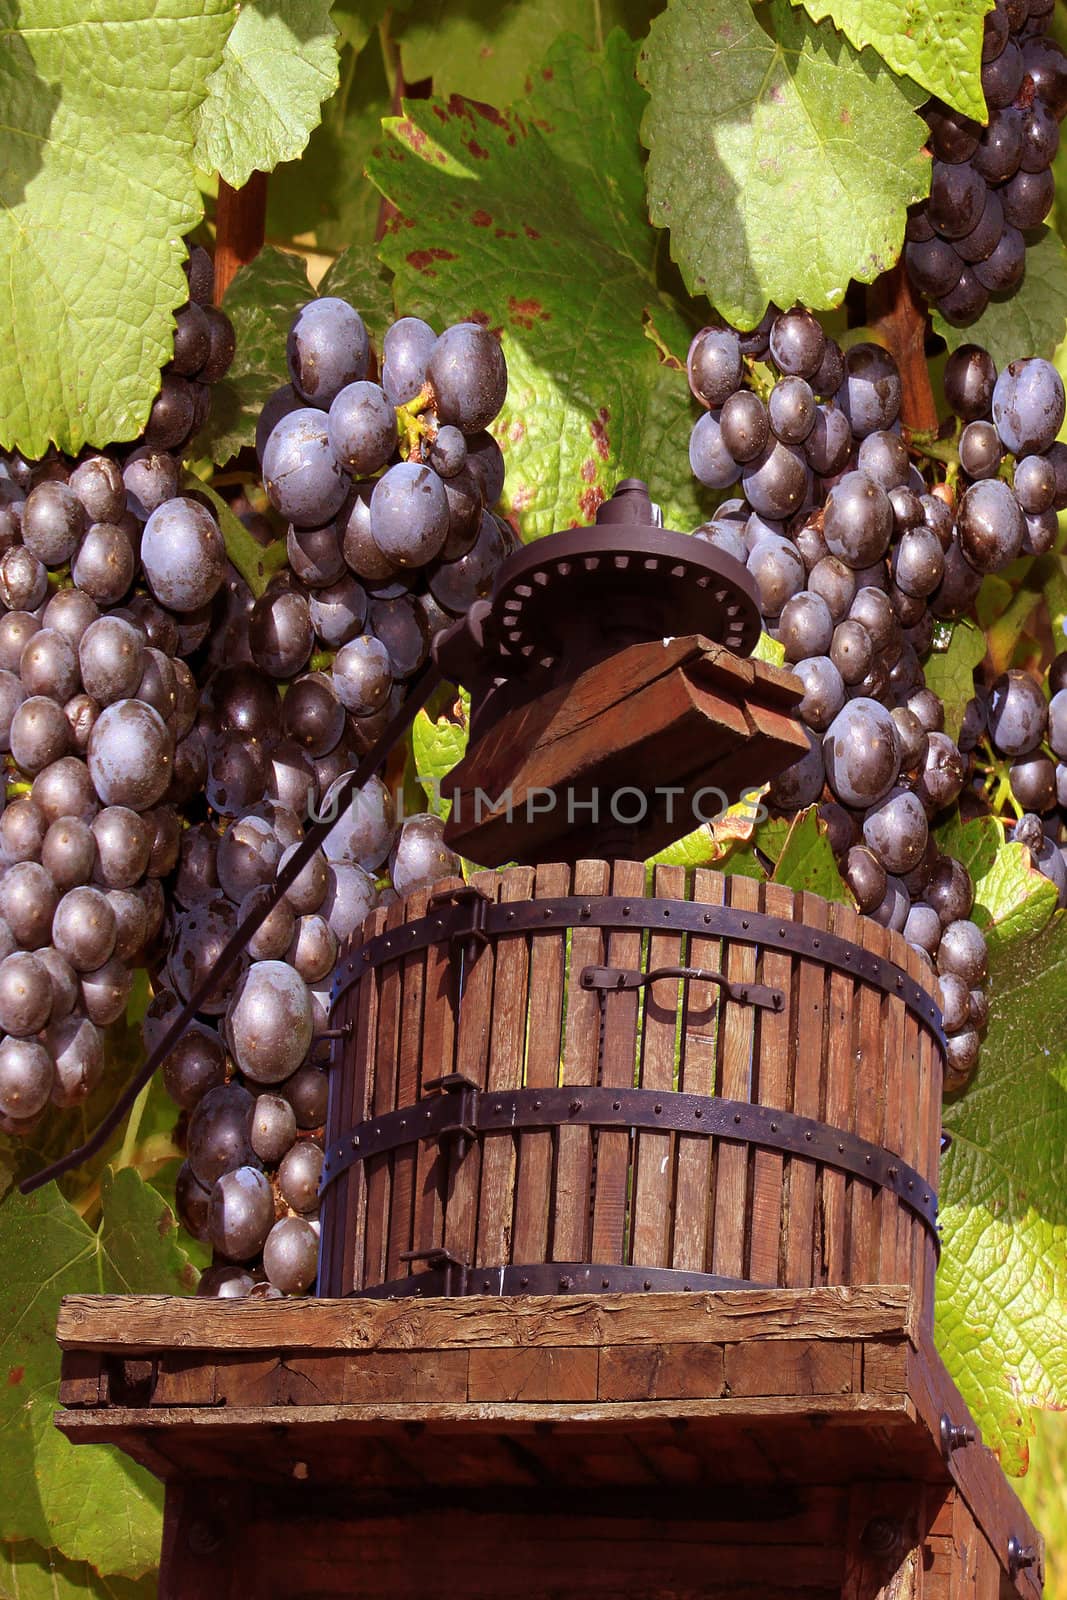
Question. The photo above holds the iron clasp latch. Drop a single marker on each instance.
(453, 1270)
(469, 927)
(606, 979)
(464, 1092)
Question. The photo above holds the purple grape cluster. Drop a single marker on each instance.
(856, 558)
(107, 580)
(991, 186)
(1017, 729)
(387, 489)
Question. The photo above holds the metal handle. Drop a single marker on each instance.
(606, 979)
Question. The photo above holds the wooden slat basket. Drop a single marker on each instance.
(516, 1106)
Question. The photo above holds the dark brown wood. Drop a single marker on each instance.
(409, 1050)
(574, 1160)
(688, 711)
(548, 957)
(240, 224)
(511, 1000)
(798, 1421)
(693, 1188)
(736, 1036)
(899, 316)
(615, 1068)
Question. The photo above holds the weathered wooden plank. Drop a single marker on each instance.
(346, 1199)
(775, 1033)
(182, 1379)
(437, 1060)
(796, 1367)
(472, 1061)
(660, 1372)
(383, 1067)
(548, 955)
(132, 1323)
(409, 1050)
(737, 1033)
(693, 1188)
(811, 987)
(652, 1180)
(395, 1375)
(616, 1069)
(507, 1042)
(574, 1146)
(840, 1095)
(512, 1373)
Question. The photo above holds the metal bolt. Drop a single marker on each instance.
(954, 1435)
(1020, 1556)
(882, 1535)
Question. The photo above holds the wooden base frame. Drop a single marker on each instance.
(766, 1444)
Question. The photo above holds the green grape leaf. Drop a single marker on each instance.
(279, 65)
(356, 20)
(96, 1507)
(533, 222)
(729, 838)
(97, 189)
(257, 563)
(359, 277)
(1029, 321)
(750, 119)
(260, 302)
(484, 49)
(1003, 1278)
(29, 1573)
(1012, 900)
(806, 861)
(437, 744)
(950, 672)
(769, 650)
(326, 194)
(939, 46)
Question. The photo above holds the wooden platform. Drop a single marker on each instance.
(658, 1447)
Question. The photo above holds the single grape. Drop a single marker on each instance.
(990, 524)
(895, 830)
(16, 629)
(111, 659)
(957, 195)
(222, 344)
(933, 266)
(965, 303)
(851, 651)
(131, 755)
(835, 583)
(714, 366)
(778, 572)
(1046, 66)
(23, 580)
(1033, 782)
(273, 1127)
(300, 472)
(805, 627)
(53, 521)
(743, 425)
(800, 784)
(362, 675)
(405, 352)
(300, 1174)
(39, 734)
(183, 554)
(240, 1213)
(1002, 77)
(77, 1048)
(1000, 148)
(275, 933)
(1027, 198)
(315, 555)
(409, 515)
(68, 853)
(22, 831)
(83, 928)
(776, 481)
(131, 923)
(963, 951)
(866, 877)
(361, 428)
(950, 890)
(1034, 482)
(307, 1092)
(829, 444)
(26, 1078)
(792, 410)
(1018, 713)
(918, 562)
(25, 994)
(28, 900)
(150, 476)
(1028, 406)
(349, 899)
(797, 343)
(980, 450)
(883, 458)
(862, 753)
(248, 855)
(280, 634)
(291, 1255)
(858, 520)
(468, 376)
(1004, 267)
(953, 137)
(824, 692)
(98, 484)
(709, 459)
(269, 1022)
(327, 348)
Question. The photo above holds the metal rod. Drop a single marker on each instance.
(422, 687)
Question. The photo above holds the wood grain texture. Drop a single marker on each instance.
(616, 1069)
(737, 1036)
(701, 1024)
(574, 1146)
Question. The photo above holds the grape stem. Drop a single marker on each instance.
(893, 309)
(240, 225)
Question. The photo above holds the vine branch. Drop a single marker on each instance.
(240, 225)
(896, 312)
